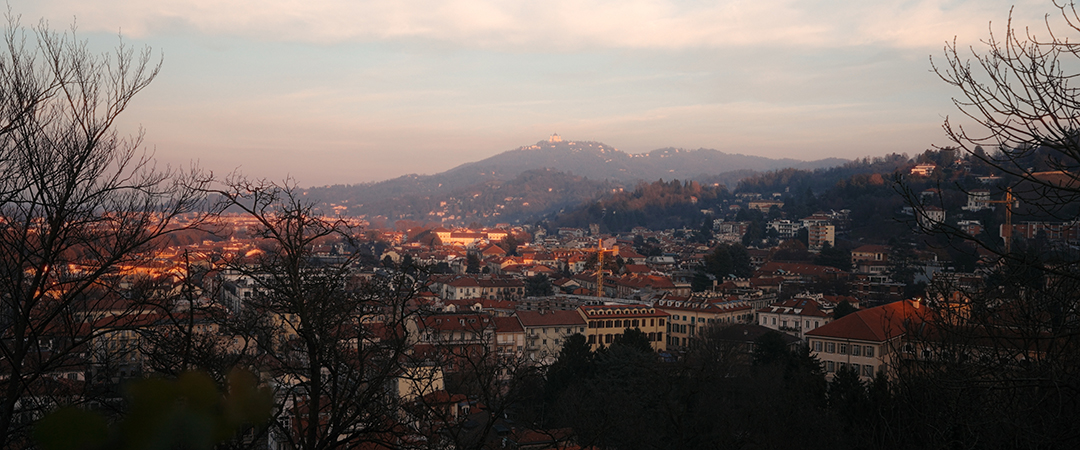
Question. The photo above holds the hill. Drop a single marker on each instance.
(537, 179)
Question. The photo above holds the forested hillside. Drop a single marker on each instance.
(657, 205)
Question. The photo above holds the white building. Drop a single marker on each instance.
(978, 200)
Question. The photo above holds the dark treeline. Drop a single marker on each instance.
(724, 395)
(658, 205)
(798, 180)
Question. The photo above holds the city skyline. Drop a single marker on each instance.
(332, 92)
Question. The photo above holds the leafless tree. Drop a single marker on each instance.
(997, 362)
(485, 381)
(1016, 99)
(329, 342)
(79, 202)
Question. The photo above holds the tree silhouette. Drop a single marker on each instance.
(79, 202)
(328, 342)
(998, 362)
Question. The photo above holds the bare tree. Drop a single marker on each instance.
(1018, 102)
(329, 342)
(998, 363)
(78, 203)
(485, 380)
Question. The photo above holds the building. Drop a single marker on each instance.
(545, 332)
(1068, 232)
(764, 205)
(458, 339)
(820, 235)
(866, 341)
(785, 228)
(876, 288)
(796, 316)
(606, 323)
(509, 337)
(742, 337)
(689, 317)
(870, 258)
(971, 227)
(930, 216)
(468, 237)
(457, 287)
(923, 170)
(978, 200)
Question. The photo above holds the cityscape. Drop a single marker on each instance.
(560, 294)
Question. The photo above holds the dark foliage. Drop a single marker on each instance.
(657, 205)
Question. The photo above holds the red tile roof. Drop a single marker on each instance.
(797, 306)
(508, 325)
(549, 318)
(877, 324)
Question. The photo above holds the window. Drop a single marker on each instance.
(607, 338)
(661, 322)
(659, 336)
(807, 324)
(855, 368)
(774, 321)
(618, 323)
(868, 370)
(830, 366)
(817, 346)
(592, 339)
(635, 323)
(843, 349)
(830, 347)
(868, 351)
(856, 350)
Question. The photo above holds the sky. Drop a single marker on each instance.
(351, 91)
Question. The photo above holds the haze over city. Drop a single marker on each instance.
(662, 224)
(346, 92)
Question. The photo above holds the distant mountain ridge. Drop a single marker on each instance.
(581, 168)
(597, 160)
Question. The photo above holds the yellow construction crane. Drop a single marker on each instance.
(600, 266)
(1006, 233)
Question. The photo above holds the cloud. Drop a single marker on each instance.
(554, 25)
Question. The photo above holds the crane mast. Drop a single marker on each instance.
(600, 267)
(1006, 233)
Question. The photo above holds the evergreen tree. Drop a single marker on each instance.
(538, 286)
(837, 257)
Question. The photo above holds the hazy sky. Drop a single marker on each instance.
(346, 91)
